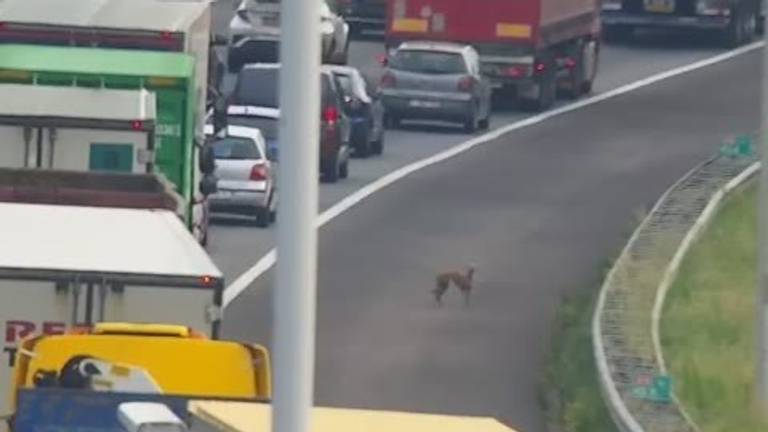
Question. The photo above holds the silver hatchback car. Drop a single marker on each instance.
(246, 177)
(436, 81)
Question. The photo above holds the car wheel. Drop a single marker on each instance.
(378, 145)
(362, 142)
(344, 170)
(470, 124)
(263, 217)
(485, 123)
(331, 170)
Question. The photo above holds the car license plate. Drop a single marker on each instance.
(424, 104)
(660, 6)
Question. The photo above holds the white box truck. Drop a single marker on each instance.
(63, 266)
(77, 129)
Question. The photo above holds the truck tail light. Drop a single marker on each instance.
(388, 81)
(540, 67)
(259, 172)
(569, 63)
(517, 71)
(330, 115)
(137, 125)
(466, 84)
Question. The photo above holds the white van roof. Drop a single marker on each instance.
(151, 15)
(23, 100)
(99, 240)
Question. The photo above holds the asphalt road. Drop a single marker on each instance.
(236, 244)
(539, 211)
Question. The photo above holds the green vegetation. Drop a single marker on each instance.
(708, 324)
(571, 392)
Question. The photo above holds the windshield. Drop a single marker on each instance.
(430, 62)
(267, 126)
(236, 148)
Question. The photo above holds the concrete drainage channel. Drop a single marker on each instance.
(630, 364)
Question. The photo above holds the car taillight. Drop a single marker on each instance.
(388, 80)
(259, 172)
(540, 67)
(330, 115)
(466, 84)
(243, 15)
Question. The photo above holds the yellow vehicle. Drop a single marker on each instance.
(143, 358)
(255, 417)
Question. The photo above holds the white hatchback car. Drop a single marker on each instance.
(245, 176)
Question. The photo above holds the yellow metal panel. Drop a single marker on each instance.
(254, 417)
(412, 25)
(510, 30)
(186, 366)
(145, 329)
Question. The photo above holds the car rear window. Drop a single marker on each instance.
(236, 148)
(267, 126)
(257, 87)
(429, 62)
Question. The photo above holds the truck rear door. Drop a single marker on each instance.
(463, 21)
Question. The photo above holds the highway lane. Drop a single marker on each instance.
(538, 210)
(236, 244)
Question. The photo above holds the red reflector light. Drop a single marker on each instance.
(330, 115)
(388, 81)
(570, 63)
(206, 280)
(3, 26)
(259, 172)
(540, 67)
(137, 125)
(166, 35)
(466, 84)
(515, 71)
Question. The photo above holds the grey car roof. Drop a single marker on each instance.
(435, 46)
(129, 14)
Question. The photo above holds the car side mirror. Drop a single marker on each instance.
(208, 185)
(207, 159)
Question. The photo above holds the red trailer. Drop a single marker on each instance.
(530, 49)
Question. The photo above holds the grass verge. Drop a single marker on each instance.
(571, 393)
(708, 325)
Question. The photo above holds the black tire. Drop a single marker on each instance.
(362, 143)
(485, 123)
(263, 217)
(618, 33)
(344, 170)
(547, 91)
(470, 124)
(331, 170)
(741, 30)
(576, 78)
(377, 146)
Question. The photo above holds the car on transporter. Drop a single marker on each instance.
(426, 80)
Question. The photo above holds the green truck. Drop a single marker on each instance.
(181, 155)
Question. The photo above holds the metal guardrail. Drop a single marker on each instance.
(626, 316)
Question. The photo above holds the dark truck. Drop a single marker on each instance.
(363, 14)
(737, 21)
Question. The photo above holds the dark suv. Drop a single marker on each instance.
(363, 14)
(256, 94)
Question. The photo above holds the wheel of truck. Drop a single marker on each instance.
(263, 217)
(576, 76)
(547, 93)
(591, 63)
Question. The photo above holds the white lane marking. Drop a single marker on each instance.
(267, 261)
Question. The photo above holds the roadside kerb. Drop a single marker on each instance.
(625, 323)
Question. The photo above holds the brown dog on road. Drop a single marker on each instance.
(463, 282)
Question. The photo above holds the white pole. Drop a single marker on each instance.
(762, 268)
(296, 271)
